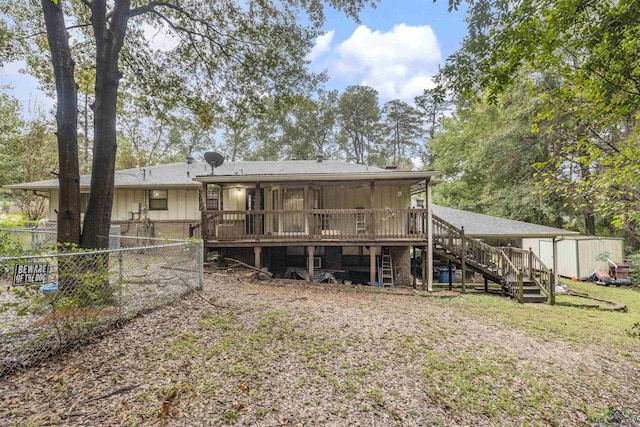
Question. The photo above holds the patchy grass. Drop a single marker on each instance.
(299, 355)
(577, 325)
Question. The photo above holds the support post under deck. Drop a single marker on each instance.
(372, 262)
(311, 250)
(257, 257)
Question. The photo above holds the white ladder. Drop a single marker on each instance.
(386, 268)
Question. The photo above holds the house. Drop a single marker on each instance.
(341, 217)
(160, 200)
(354, 222)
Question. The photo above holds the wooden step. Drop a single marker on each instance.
(530, 290)
(530, 298)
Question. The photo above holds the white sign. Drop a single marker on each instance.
(32, 272)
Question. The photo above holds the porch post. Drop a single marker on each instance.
(204, 227)
(413, 260)
(372, 218)
(257, 219)
(425, 274)
(306, 202)
(311, 253)
(372, 263)
(257, 254)
(427, 184)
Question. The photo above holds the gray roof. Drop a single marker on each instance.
(175, 174)
(292, 167)
(479, 225)
(292, 170)
(166, 175)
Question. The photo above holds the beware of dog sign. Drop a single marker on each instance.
(32, 272)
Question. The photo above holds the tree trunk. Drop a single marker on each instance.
(589, 220)
(66, 121)
(109, 41)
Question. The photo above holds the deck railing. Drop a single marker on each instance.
(314, 224)
(532, 267)
(512, 265)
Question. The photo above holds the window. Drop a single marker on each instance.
(213, 197)
(158, 200)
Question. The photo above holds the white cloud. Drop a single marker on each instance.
(398, 63)
(322, 45)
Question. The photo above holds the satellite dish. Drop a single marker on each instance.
(214, 159)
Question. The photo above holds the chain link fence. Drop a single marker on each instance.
(52, 301)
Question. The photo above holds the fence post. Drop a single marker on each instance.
(120, 282)
(530, 263)
(520, 287)
(552, 288)
(201, 250)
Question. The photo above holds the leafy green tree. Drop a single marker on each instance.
(591, 50)
(10, 131)
(27, 153)
(433, 104)
(237, 122)
(318, 122)
(404, 130)
(486, 154)
(294, 128)
(360, 127)
(259, 46)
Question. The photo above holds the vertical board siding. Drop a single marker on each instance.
(577, 256)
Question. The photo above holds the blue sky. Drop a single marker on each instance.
(396, 49)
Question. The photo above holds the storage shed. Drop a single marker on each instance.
(577, 255)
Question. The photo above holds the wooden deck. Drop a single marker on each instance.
(313, 226)
(520, 273)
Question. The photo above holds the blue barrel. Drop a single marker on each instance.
(443, 276)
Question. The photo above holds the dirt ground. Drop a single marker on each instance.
(245, 352)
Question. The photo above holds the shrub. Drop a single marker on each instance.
(634, 273)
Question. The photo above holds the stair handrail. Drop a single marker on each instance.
(507, 262)
(543, 274)
(476, 250)
(508, 269)
(537, 270)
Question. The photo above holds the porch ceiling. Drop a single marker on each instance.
(410, 177)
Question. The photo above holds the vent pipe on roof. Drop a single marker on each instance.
(190, 160)
(319, 157)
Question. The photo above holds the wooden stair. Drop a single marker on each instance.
(531, 292)
(521, 274)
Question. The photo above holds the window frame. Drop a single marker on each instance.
(157, 199)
